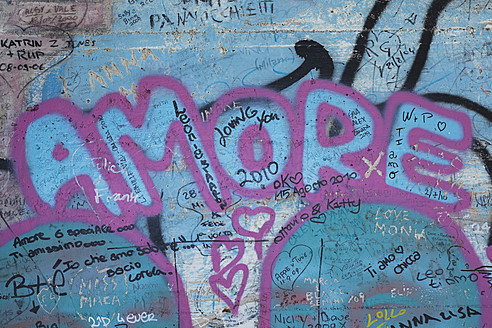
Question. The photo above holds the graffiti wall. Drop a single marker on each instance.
(256, 163)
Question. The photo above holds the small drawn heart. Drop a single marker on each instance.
(59, 152)
(48, 299)
(289, 266)
(229, 244)
(258, 236)
(441, 125)
(217, 280)
(296, 178)
(399, 250)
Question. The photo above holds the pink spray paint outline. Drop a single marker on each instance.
(246, 152)
(248, 233)
(86, 125)
(435, 213)
(216, 279)
(417, 135)
(351, 159)
(228, 244)
(232, 267)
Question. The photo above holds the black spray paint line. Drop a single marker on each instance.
(477, 146)
(294, 77)
(310, 50)
(413, 76)
(155, 232)
(352, 66)
(6, 165)
(315, 57)
(484, 155)
(461, 101)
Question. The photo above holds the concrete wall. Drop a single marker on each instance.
(264, 163)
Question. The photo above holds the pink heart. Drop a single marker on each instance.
(60, 153)
(263, 229)
(229, 244)
(217, 279)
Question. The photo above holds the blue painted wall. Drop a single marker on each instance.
(222, 163)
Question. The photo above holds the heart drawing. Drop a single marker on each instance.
(228, 244)
(258, 236)
(399, 250)
(217, 280)
(48, 299)
(296, 178)
(289, 266)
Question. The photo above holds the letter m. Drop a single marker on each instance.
(382, 228)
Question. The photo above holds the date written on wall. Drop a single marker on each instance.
(19, 48)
